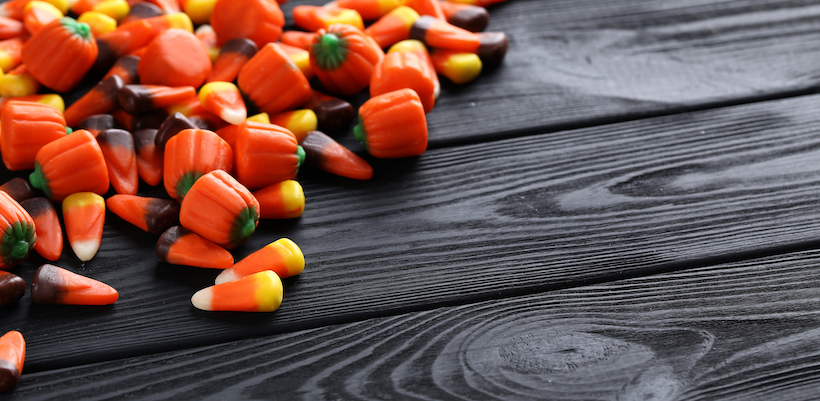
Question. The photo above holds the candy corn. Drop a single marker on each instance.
(467, 16)
(298, 122)
(117, 146)
(282, 256)
(38, 14)
(138, 99)
(369, 9)
(426, 7)
(84, 216)
(232, 56)
(324, 153)
(181, 246)
(259, 292)
(55, 285)
(12, 288)
(224, 100)
(149, 158)
(171, 126)
(18, 188)
(96, 123)
(313, 18)
(12, 356)
(154, 215)
(102, 98)
(126, 68)
(460, 67)
(393, 27)
(47, 226)
(283, 200)
(18, 82)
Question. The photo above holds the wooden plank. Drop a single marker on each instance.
(470, 223)
(575, 63)
(737, 331)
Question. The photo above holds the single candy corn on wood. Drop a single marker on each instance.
(73, 163)
(220, 209)
(47, 227)
(53, 285)
(84, 216)
(12, 357)
(282, 256)
(180, 246)
(232, 56)
(154, 215)
(324, 153)
(149, 158)
(259, 292)
(26, 128)
(393, 125)
(18, 232)
(120, 156)
(12, 288)
(191, 154)
(102, 98)
(283, 200)
(224, 100)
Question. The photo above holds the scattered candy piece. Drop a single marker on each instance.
(12, 288)
(282, 256)
(175, 57)
(300, 57)
(120, 156)
(467, 16)
(333, 115)
(142, 10)
(18, 82)
(224, 100)
(232, 56)
(27, 127)
(18, 188)
(172, 125)
(84, 216)
(37, 14)
(265, 154)
(259, 292)
(97, 123)
(272, 81)
(149, 158)
(298, 122)
(12, 356)
(189, 155)
(460, 67)
(262, 20)
(47, 226)
(324, 153)
(283, 200)
(10, 28)
(393, 125)
(426, 7)
(370, 9)
(299, 39)
(393, 27)
(181, 246)
(54, 285)
(140, 99)
(98, 22)
(102, 98)
(73, 163)
(154, 215)
(126, 68)
(18, 232)
(406, 69)
(11, 53)
(314, 18)
(220, 209)
(199, 10)
(60, 54)
(343, 58)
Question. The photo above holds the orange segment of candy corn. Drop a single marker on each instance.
(55, 285)
(181, 246)
(283, 200)
(324, 153)
(298, 122)
(282, 256)
(232, 56)
(149, 158)
(117, 146)
(259, 292)
(224, 100)
(84, 216)
(102, 98)
(154, 215)
(47, 227)
(12, 357)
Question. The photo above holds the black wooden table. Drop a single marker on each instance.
(626, 209)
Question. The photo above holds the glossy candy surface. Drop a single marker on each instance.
(55, 285)
(259, 292)
(12, 288)
(73, 163)
(12, 357)
(180, 246)
(47, 226)
(18, 232)
(154, 215)
(283, 200)
(282, 256)
(84, 216)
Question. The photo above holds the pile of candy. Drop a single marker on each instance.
(223, 115)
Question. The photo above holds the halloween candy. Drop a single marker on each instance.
(47, 227)
(153, 215)
(84, 216)
(393, 125)
(282, 257)
(26, 128)
(12, 288)
(12, 357)
(181, 246)
(343, 58)
(191, 154)
(60, 54)
(55, 285)
(18, 232)
(283, 200)
(258, 292)
(73, 163)
(120, 156)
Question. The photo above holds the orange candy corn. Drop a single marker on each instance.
(47, 227)
(313, 18)
(10, 28)
(283, 200)
(460, 67)
(84, 216)
(18, 188)
(180, 246)
(272, 81)
(102, 98)
(220, 209)
(393, 125)
(117, 146)
(142, 10)
(370, 9)
(38, 14)
(232, 56)
(17, 230)
(191, 154)
(261, 20)
(12, 356)
(139, 99)
(258, 292)
(298, 122)
(149, 158)
(282, 256)
(175, 57)
(26, 128)
(172, 125)
(324, 153)
(393, 27)
(73, 163)
(426, 7)
(54, 285)
(223, 99)
(12, 288)
(441, 34)
(265, 154)
(18, 82)
(126, 68)
(153, 215)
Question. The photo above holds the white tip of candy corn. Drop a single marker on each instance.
(232, 116)
(226, 275)
(203, 299)
(85, 250)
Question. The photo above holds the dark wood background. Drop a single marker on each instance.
(625, 209)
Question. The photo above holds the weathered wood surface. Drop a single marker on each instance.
(739, 331)
(576, 63)
(464, 224)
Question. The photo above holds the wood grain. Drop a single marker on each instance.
(739, 331)
(574, 63)
(475, 222)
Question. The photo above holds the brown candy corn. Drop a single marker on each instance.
(55, 285)
(181, 246)
(18, 188)
(47, 227)
(12, 356)
(12, 288)
(97, 123)
(154, 215)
